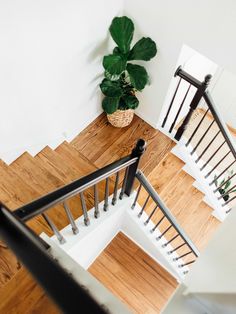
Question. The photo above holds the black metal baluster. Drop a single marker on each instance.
(205, 150)
(227, 192)
(172, 239)
(201, 139)
(180, 108)
(84, 209)
(124, 184)
(222, 184)
(144, 205)
(210, 172)
(212, 156)
(136, 196)
(195, 131)
(228, 211)
(106, 204)
(71, 218)
(159, 222)
(179, 257)
(163, 233)
(96, 202)
(171, 104)
(216, 178)
(114, 198)
(54, 229)
(178, 247)
(150, 216)
(188, 263)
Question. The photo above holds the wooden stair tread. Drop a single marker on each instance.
(99, 139)
(84, 137)
(29, 171)
(74, 157)
(121, 145)
(23, 295)
(67, 173)
(15, 192)
(9, 264)
(162, 174)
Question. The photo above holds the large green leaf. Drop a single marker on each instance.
(131, 102)
(138, 76)
(144, 49)
(110, 104)
(114, 64)
(111, 88)
(122, 30)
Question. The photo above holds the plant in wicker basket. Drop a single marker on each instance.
(123, 78)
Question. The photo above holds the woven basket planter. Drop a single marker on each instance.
(121, 118)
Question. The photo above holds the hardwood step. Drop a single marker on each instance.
(162, 174)
(23, 295)
(133, 276)
(83, 166)
(30, 171)
(66, 173)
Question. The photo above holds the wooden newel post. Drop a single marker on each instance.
(131, 171)
(195, 101)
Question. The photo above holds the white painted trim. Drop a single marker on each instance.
(91, 240)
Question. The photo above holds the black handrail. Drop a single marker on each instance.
(51, 276)
(41, 204)
(223, 128)
(167, 213)
(202, 94)
(38, 206)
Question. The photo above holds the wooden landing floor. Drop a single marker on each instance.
(133, 276)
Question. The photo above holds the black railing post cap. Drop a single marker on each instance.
(178, 70)
(207, 79)
(140, 145)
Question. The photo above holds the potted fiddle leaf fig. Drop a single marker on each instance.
(123, 79)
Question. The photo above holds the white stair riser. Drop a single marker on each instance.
(91, 240)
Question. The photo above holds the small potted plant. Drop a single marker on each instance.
(225, 186)
(124, 79)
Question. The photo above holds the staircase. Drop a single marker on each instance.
(204, 141)
(29, 178)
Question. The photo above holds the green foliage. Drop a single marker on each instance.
(224, 186)
(110, 104)
(145, 49)
(122, 78)
(138, 76)
(114, 64)
(122, 30)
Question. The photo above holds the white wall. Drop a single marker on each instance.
(224, 95)
(50, 68)
(212, 278)
(206, 26)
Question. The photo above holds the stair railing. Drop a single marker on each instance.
(60, 196)
(212, 171)
(179, 239)
(33, 251)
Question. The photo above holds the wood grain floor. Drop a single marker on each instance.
(133, 276)
(31, 177)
